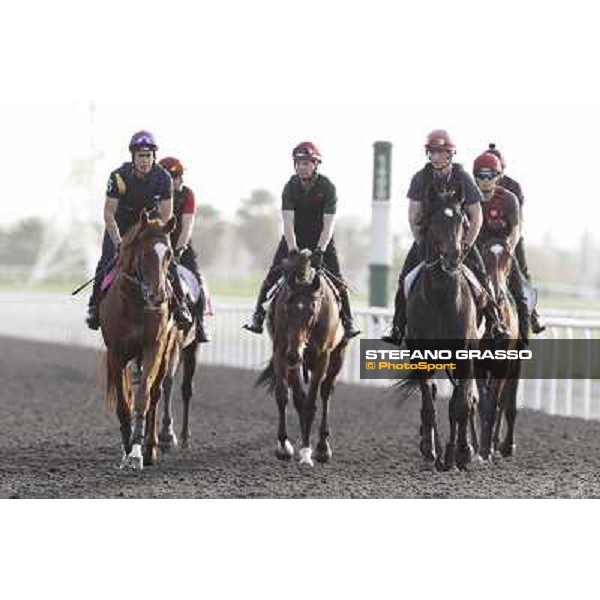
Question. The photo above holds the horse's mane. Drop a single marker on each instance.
(134, 235)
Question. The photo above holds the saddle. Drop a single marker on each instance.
(189, 284)
(474, 285)
(276, 288)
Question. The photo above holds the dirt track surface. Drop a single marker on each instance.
(58, 441)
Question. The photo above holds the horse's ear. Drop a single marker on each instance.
(170, 225)
(144, 219)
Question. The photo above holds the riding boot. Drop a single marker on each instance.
(181, 312)
(537, 323)
(492, 314)
(350, 328)
(93, 315)
(396, 334)
(258, 317)
(523, 314)
(201, 335)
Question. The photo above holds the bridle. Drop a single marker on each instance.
(137, 280)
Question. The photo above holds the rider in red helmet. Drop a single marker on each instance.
(502, 219)
(135, 186)
(512, 185)
(309, 202)
(185, 209)
(442, 180)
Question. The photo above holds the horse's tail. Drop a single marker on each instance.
(116, 376)
(267, 378)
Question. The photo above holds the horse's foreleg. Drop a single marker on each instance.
(310, 405)
(428, 428)
(190, 356)
(167, 438)
(122, 383)
(151, 437)
(486, 415)
(463, 407)
(284, 449)
(323, 450)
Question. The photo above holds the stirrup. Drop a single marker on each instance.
(256, 324)
(92, 319)
(350, 329)
(537, 325)
(201, 336)
(395, 336)
(498, 331)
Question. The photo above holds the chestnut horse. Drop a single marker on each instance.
(497, 382)
(308, 339)
(136, 324)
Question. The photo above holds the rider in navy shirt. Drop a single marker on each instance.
(442, 180)
(135, 186)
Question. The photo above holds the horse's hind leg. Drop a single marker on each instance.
(187, 389)
(508, 445)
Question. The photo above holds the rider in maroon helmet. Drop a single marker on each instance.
(185, 209)
(512, 185)
(309, 203)
(443, 180)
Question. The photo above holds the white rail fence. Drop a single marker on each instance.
(59, 318)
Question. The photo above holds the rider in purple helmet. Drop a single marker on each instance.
(139, 185)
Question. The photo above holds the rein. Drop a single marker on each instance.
(138, 281)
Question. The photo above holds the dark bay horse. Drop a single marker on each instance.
(135, 323)
(185, 349)
(441, 309)
(497, 382)
(305, 326)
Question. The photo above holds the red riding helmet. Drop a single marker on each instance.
(487, 162)
(439, 139)
(307, 151)
(493, 150)
(173, 165)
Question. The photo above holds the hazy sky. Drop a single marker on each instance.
(231, 86)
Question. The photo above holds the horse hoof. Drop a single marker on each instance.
(323, 453)
(429, 466)
(167, 441)
(306, 457)
(134, 460)
(284, 451)
(508, 450)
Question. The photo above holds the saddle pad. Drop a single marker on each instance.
(410, 279)
(191, 288)
(108, 279)
(189, 283)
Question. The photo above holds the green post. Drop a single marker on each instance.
(381, 238)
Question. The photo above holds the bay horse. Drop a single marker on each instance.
(305, 326)
(185, 349)
(136, 324)
(442, 312)
(497, 382)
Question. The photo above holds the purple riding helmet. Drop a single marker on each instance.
(142, 139)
